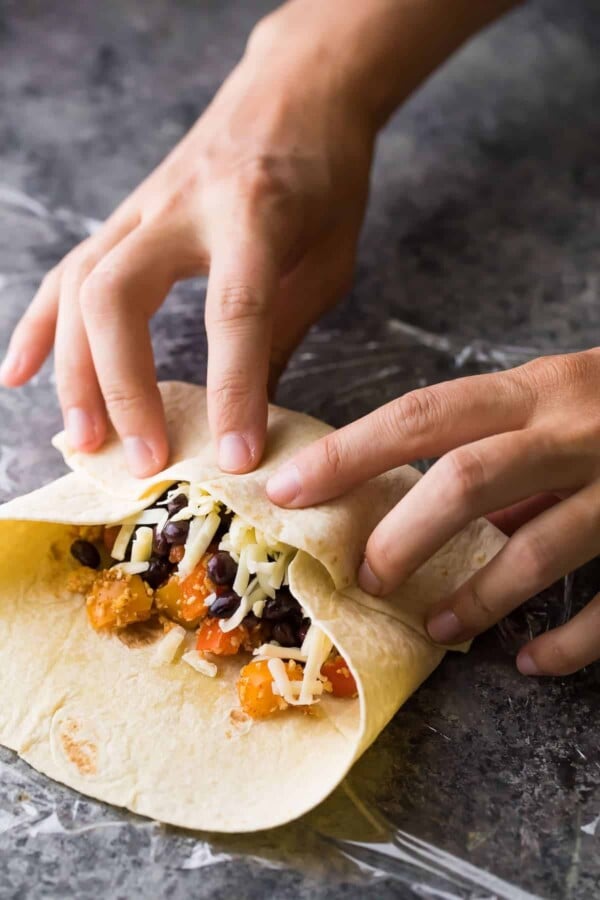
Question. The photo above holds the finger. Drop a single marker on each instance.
(463, 485)
(512, 517)
(556, 542)
(117, 300)
(33, 336)
(84, 412)
(243, 279)
(566, 649)
(427, 422)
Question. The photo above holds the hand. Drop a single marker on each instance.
(268, 191)
(531, 432)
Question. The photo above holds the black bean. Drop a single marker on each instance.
(283, 633)
(221, 568)
(85, 553)
(176, 532)
(176, 504)
(282, 606)
(157, 572)
(224, 606)
(302, 631)
(160, 545)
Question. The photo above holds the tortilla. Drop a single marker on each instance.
(97, 715)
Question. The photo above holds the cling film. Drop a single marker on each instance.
(407, 822)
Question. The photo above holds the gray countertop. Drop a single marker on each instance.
(481, 250)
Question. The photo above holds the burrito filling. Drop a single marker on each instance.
(218, 587)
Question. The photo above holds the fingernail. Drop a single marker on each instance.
(284, 486)
(234, 453)
(526, 664)
(368, 580)
(81, 430)
(10, 366)
(445, 627)
(140, 458)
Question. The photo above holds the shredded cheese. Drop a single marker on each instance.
(130, 568)
(141, 549)
(197, 662)
(239, 615)
(181, 488)
(280, 679)
(201, 533)
(317, 651)
(274, 651)
(151, 516)
(242, 578)
(295, 688)
(122, 541)
(257, 608)
(166, 649)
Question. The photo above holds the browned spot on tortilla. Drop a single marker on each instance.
(141, 634)
(240, 720)
(81, 752)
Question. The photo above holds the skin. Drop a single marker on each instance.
(521, 445)
(267, 194)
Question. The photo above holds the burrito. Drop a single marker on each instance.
(181, 647)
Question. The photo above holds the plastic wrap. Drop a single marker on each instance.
(354, 839)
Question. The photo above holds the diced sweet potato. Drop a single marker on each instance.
(255, 688)
(116, 601)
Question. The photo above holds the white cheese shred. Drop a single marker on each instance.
(239, 615)
(197, 662)
(168, 646)
(317, 651)
(130, 568)
(141, 549)
(271, 651)
(121, 543)
(201, 533)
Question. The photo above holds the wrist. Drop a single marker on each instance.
(371, 53)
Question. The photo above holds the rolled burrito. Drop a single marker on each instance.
(181, 647)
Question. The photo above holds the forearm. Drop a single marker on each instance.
(375, 52)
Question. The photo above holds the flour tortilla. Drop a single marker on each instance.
(97, 715)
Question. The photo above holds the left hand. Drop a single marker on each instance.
(503, 439)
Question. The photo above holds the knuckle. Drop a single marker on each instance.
(78, 267)
(97, 292)
(333, 455)
(552, 373)
(122, 400)
(259, 177)
(414, 414)
(229, 392)
(475, 611)
(533, 558)
(238, 302)
(464, 473)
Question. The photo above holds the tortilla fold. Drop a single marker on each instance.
(99, 715)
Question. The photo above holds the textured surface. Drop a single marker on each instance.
(481, 250)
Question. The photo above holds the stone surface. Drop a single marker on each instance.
(480, 251)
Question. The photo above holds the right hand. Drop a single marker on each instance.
(267, 191)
